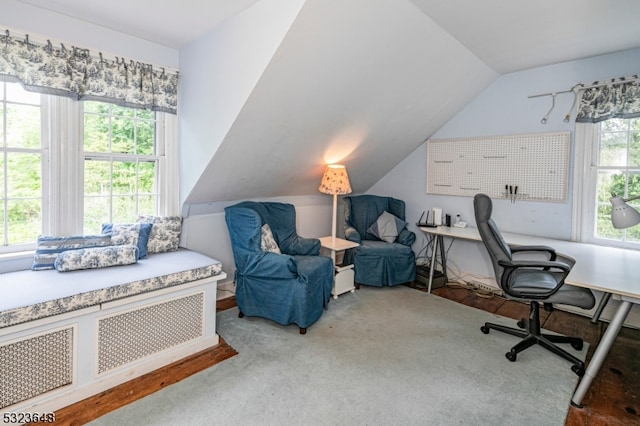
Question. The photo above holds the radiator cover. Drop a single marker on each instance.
(35, 365)
(129, 336)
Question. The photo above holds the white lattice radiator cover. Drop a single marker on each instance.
(35, 365)
(132, 335)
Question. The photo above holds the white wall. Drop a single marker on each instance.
(504, 108)
(42, 24)
(218, 73)
(205, 230)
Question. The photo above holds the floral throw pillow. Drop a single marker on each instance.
(136, 234)
(267, 242)
(165, 233)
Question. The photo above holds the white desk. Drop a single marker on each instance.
(607, 269)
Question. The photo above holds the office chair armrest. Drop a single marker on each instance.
(542, 264)
(550, 250)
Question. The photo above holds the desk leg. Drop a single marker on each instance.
(433, 262)
(601, 352)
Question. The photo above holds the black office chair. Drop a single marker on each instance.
(534, 280)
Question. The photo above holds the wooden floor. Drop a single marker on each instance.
(613, 398)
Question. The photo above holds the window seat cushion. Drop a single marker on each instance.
(29, 295)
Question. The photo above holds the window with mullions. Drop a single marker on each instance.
(120, 164)
(20, 165)
(618, 172)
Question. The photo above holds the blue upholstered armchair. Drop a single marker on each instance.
(279, 275)
(384, 257)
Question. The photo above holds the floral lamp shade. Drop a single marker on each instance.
(335, 180)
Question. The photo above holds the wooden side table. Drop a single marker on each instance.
(343, 278)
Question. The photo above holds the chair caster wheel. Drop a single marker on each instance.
(521, 324)
(578, 369)
(484, 329)
(240, 314)
(511, 356)
(577, 346)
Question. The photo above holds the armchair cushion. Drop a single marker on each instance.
(387, 227)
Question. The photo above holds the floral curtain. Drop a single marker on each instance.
(75, 73)
(619, 99)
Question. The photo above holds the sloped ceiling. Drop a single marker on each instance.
(362, 83)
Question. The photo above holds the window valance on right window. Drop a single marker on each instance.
(619, 99)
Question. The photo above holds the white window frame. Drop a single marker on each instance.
(63, 166)
(585, 178)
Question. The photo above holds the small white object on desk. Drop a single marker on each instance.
(343, 279)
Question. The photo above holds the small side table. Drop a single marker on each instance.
(343, 279)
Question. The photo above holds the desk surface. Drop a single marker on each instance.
(608, 269)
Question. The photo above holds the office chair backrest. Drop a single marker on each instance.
(496, 245)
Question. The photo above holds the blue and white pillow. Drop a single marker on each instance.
(136, 234)
(387, 227)
(96, 257)
(165, 233)
(48, 247)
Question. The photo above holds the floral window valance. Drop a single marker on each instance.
(76, 73)
(618, 99)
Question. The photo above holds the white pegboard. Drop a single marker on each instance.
(538, 164)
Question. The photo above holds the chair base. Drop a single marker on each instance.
(303, 330)
(530, 333)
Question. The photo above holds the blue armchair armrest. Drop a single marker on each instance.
(272, 265)
(351, 234)
(304, 247)
(406, 237)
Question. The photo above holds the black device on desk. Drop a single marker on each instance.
(426, 221)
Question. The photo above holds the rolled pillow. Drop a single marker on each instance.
(96, 257)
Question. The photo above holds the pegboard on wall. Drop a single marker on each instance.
(538, 164)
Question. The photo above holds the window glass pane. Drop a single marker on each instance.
(613, 149)
(147, 204)
(119, 142)
(124, 209)
(96, 133)
(145, 137)
(97, 210)
(147, 177)
(23, 126)
(609, 182)
(24, 218)
(20, 165)
(604, 227)
(124, 177)
(122, 111)
(23, 175)
(96, 107)
(634, 143)
(97, 177)
(122, 140)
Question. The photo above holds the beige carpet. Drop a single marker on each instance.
(390, 356)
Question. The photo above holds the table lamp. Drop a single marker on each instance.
(622, 214)
(335, 182)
